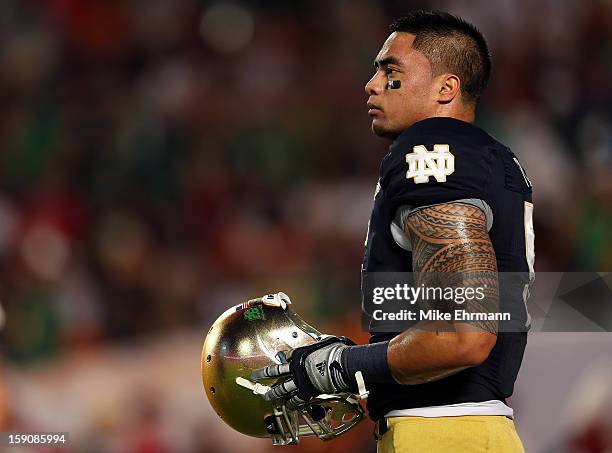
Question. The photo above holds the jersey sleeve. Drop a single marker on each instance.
(432, 165)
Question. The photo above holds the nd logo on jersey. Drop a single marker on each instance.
(423, 163)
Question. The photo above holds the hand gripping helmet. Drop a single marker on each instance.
(253, 335)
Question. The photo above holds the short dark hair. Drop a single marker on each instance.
(450, 44)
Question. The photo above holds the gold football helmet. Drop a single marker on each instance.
(253, 335)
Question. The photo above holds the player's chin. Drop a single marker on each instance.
(382, 130)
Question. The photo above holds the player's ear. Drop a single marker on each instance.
(449, 87)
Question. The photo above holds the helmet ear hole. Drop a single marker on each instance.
(271, 425)
(317, 412)
(212, 390)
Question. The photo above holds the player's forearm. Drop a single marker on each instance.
(416, 357)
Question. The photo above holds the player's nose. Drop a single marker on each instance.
(373, 86)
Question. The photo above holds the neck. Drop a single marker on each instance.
(467, 114)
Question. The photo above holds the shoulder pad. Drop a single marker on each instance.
(435, 161)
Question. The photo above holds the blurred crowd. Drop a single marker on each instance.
(162, 160)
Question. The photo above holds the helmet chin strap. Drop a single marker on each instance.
(255, 387)
(363, 393)
(260, 389)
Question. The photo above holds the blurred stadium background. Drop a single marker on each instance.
(161, 160)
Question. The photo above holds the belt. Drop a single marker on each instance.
(380, 428)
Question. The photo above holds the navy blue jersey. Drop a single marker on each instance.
(440, 160)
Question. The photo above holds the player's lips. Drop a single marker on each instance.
(374, 110)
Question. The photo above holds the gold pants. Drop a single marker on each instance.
(473, 434)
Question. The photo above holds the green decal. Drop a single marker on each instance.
(254, 313)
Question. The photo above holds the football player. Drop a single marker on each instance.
(450, 200)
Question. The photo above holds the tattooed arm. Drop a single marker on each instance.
(448, 238)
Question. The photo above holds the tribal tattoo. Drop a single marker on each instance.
(451, 248)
